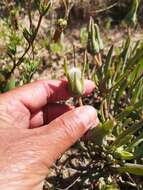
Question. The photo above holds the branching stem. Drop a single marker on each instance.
(16, 64)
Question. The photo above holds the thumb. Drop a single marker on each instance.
(64, 131)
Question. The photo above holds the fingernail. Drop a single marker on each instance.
(88, 116)
(90, 86)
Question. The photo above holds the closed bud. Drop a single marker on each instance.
(92, 45)
(75, 80)
(62, 23)
(95, 43)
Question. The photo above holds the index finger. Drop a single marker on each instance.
(37, 94)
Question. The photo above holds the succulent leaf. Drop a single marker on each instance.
(136, 169)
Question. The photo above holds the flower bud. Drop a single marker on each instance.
(75, 80)
(60, 27)
(62, 23)
(92, 45)
(95, 43)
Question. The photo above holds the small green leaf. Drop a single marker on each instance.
(137, 141)
(124, 137)
(43, 7)
(136, 169)
(99, 39)
(99, 132)
(108, 61)
(136, 91)
(126, 53)
(11, 49)
(129, 109)
(28, 35)
(120, 153)
(121, 91)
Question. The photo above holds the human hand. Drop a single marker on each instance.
(31, 139)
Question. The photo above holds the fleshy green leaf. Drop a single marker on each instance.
(136, 169)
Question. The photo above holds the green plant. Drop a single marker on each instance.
(117, 142)
(120, 85)
(17, 37)
(131, 17)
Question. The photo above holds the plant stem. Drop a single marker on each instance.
(27, 49)
(96, 61)
(105, 9)
(99, 58)
(80, 101)
(30, 21)
(29, 13)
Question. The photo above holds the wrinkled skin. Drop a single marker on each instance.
(35, 131)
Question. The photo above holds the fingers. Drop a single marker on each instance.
(36, 95)
(48, 113)
(64, 131)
